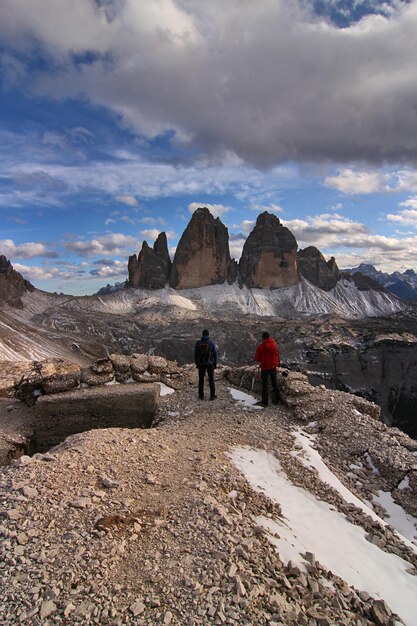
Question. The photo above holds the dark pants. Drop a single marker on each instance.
(272, 374)
(202, 369)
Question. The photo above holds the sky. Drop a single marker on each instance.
(118, 118)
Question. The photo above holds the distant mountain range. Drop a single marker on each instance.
(403, 285)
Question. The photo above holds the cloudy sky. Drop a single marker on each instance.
(119, 117)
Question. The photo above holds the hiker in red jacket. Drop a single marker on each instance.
(268, 358)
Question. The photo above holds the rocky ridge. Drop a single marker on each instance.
(12, 284)
(151, 268)
(202, 256)
(269, 259)
(313, 266)
(160, 527)
(269, 255)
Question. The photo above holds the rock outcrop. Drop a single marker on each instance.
(12, 284)
(313, 266)
(151, 268)
(269, 257)
(202, 257)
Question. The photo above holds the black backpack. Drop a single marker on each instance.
(203, 353)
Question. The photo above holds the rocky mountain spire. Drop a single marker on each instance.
(202, 256)
(312, 266)
(151, 268)
(12, 284)
(269, 257)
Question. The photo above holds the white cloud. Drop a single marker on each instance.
(27, 250)
(271, 208)
(152, 220)
(217, 210)
(326, 229)
(152, 234)
(352, 182)
(410, 202)
(408, 215)
(39, 273)
(247, 225)
(112, 269)
(236, 247)
(127, 199)
(407, 180)
(259, 94)
(351, 242)
(114, 243)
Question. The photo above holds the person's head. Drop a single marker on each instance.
(265, 335)
(205, 333)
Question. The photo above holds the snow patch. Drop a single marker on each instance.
(248, 402)
(399, 519)
(310, 525)
(404, 484)
(165, 390)
(310, 458)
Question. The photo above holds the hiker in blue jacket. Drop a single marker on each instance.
(205, 358)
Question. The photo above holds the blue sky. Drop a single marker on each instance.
(118, 118)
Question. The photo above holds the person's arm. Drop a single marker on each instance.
(195, 352)
(258, 354)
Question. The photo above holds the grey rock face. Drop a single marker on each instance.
(152, 267)
(59, 415)
(202, 256)
(269, 257)
(12, 284)
(332, 265)
(312, 266)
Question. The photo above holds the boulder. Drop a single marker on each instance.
(124, 406)
(62, 376)
(269, 256)
(313, 266)
(139, 363)
(202, 256)
(91, 378)
(11, 373)
(151, 268)
(121, 366)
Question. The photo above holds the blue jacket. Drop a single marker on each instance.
(213, 351)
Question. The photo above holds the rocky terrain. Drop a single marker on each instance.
(373, 356)
(221, 513)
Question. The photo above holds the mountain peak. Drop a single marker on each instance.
(202, 256)
(269, 256)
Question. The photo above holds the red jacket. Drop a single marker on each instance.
(267, 354)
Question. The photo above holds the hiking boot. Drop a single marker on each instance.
(213, 397)
(260, 403)
(201, 397)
